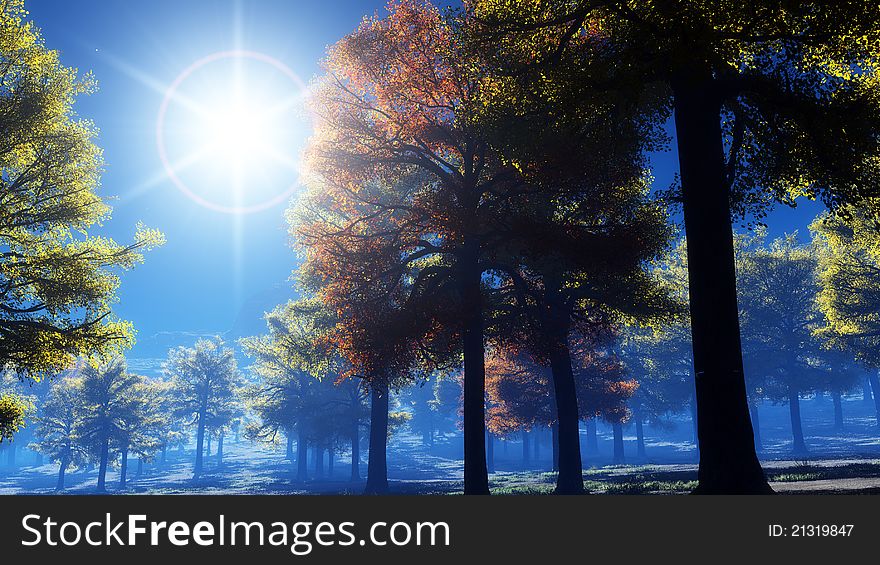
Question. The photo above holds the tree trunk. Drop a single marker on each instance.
(355, 451)
(377, 465)
(61, 470)
(123, 472)
(728, 461)
(536, 436)
(756, 424)
(490, 452)
(526, 449)
(102, 465)
(592, 436)
(640, 437)
(619, 458)
(875, 391)
(289, 452)
(10, 457)
(838, 410)
(302, 447)
(200, 441)
(220, 450)
(319, 462)
(330, 461)
(570, 478)
(797, 432)
(554, 438)
(208, 449)
(140, 468)
(476, 474)
(867, 397)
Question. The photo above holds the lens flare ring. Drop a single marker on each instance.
(169, 98)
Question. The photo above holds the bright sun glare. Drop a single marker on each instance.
(238, 133)
(225, 131)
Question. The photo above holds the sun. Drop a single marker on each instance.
(227, 132)
(238, 134)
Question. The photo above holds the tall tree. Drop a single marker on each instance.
(849, 281)
(57, 282)
(205, 378)
(771, 101)
(778, 287)
(393, 105)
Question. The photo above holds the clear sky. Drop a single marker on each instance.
(200, 282)
(218, 272)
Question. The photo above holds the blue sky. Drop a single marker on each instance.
(218, 272)
(197, 283)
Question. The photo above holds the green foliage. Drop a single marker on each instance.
(796, 82)
(57, 283)
(848, 252)
(13, 414)
(110, 399)
(61, 423)
(299, 386)
(205, 380)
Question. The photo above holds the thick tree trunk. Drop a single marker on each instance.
(355, 451)
(220, 450)
(62, 469)
(554, 437)
(102, 464)
(200, 442)
(526, 448)
(140, 467)
(556, 325)
(640, 437)
(838, 410)
(490, 452)
(377, 465)
(208, 449)
(875, 391)
(289, 451)
(797, 431)
(756, 425)
(123, 472)
(570, 478)
(728, 461)
(618, 458)
(592, 436)
(302, 447)
(476, 474)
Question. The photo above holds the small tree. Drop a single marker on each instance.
(106, 394)
(205, 378)
(61, 424)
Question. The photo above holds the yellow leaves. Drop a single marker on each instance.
(60, 279)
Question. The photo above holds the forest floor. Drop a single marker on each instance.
(840, 462)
